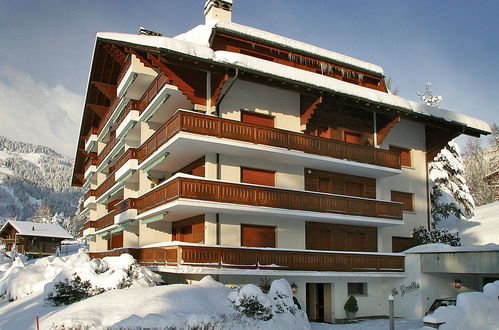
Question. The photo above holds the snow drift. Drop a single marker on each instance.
(204, 305)
(21, 279)
(473, 310)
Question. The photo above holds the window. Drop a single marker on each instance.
(354, 189)
(400, 244)
(405, 155)
(257, 176)
(352, 137)
(189, 230)
(403, 197)
(257, 236)
(257, 118)
(357, 289)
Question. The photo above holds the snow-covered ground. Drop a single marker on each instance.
(376, 324)
(24, 289)
(482, 229)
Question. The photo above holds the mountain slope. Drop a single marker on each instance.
(31, 175)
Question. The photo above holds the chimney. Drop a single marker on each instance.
(218, 10)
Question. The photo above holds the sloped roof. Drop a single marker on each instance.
(200, 50)
(27, 228)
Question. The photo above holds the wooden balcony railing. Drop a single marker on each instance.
(90, 192)
(191, 122)
(89, 224)
(89, 162)
(107, 149)
(106, 184)
(104, 221)
(236, 193)
(158, 83)
(131, 105)
(253, 258)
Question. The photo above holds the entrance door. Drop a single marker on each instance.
(319, 302)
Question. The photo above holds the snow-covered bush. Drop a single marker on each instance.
(351, 305)
(42, 275)
(70, 291)
(423, 235)
(265, 284)
(281, 297)
(251, 302)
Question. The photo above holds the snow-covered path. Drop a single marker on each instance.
(380, 324)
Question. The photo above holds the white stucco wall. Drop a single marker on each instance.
(282, 104)
(410, 135)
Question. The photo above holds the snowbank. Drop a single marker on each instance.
(441, 247)
(482, 229)
(21, 279)
(473, 310)
(179, 306)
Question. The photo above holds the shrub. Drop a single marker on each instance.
(265, 284)
(351, 305)
(252, 302)
(70, 291)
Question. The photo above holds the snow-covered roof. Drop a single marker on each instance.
(202, 34)
(180, 46)
(444, 248)
(27, 228)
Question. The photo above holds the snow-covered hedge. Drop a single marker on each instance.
(473, 310)
(42, 275)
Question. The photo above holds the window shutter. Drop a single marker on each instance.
(403, 197)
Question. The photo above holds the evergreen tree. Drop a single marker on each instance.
(449, 193)
(477, 166)
(43, 214)
(428, 96)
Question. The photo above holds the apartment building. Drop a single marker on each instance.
(235, 152)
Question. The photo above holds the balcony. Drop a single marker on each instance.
(184, 196)
(194, 134)
(89, 199)
(221, 258)
(134, 79)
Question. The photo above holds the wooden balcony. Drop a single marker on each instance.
(104, 221)
(219, 257)
(254, 195)
(89, 193)
(191, 122)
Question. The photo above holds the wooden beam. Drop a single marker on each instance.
(118, 55)
(99, 110)
(307, 107)
(183, 79)
(218, 82)
(382, 133)
(109, 90)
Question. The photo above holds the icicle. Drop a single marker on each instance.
(253, 46)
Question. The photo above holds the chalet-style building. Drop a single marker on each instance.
(236, 152)
(33, 238)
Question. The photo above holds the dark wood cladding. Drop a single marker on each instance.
(325, 236)
(224, 192)
(400, 244)
(190, 230)
(196, 168)
(257, 176)
(300, 61)
(258, 236)
(339, 183)
(232, 129)
(274, 259)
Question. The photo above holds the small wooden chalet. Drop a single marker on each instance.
(33, 238)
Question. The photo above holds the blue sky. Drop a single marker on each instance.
(46, 49)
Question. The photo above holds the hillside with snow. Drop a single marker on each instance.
(31, 175)
(482, 229)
